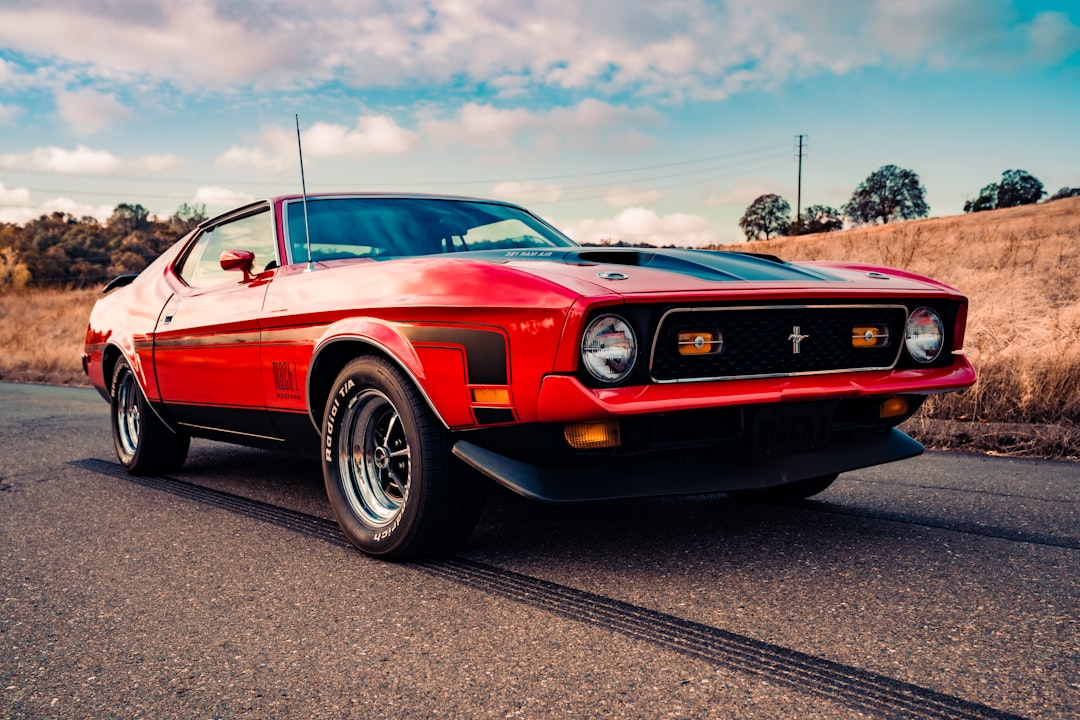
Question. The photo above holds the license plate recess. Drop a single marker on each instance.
(791, 429)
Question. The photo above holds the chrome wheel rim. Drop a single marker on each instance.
(374, 458)
(127, 415)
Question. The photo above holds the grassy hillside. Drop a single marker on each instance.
(1020, 267)
(43, 333)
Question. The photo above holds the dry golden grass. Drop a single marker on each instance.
(1020, 267)
(43, 333)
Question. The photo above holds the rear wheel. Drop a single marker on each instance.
(395, 488)
(144, 444)
(792, 491)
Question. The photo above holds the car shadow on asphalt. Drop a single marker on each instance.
(513, 528)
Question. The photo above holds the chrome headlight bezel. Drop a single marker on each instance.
(609, 349)
(924, 335)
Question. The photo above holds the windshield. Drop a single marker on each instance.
(382, 227)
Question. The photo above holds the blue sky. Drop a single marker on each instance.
(656, 121)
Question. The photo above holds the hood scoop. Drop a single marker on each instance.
(711, 265)
(702, 264)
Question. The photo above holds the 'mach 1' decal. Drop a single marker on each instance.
(285, 380)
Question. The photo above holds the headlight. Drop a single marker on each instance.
(924, 335)
(609, 348)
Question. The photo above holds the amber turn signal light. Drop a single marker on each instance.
(592, 435)
(893, 407)
(491, 395)
(700, 342)
(868, 336)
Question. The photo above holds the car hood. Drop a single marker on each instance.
(631, 271)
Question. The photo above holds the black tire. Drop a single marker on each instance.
(799, 490)
(396, 489)
(144, 444)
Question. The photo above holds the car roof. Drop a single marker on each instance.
(278, 199)
(385, 194)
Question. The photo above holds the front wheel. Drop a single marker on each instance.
(396, 490)
(797, 490)
(144, 444)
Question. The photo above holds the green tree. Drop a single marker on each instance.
(126, 219)
(821, 219)
(889, 193)
(41, 246)
(987, 200)
(1065, 192)
(1019, 187)
(186, 218)
(768, 215)
(14, 275)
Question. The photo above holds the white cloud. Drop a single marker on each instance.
(186, 43)
(87, 112)
(22, 214)
(277, 150)
(84, 160)
(78, 161)
(221, 197)
(638, 225)
(665, 48)
(160, 163)
(1052, 36)
(591, 123)
(254, 157)
(478, 125)
(13, 196)
(372, 134)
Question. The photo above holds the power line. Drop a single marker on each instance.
(715, 167)
(842, 159)
(538, 178)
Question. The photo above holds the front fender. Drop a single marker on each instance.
(441, 360)
(342, 341)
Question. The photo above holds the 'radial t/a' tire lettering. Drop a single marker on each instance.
(396, 490)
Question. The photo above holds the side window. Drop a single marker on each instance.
(202, 266)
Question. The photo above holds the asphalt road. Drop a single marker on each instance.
(947, 586)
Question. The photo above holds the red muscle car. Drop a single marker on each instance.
(418, 344)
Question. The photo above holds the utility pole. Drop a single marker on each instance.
(798, 197)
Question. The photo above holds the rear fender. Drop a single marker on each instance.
(124, 347)
(111, 355)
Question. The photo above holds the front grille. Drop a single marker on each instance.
(765, 341)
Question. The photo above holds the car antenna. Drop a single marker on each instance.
(303, 190)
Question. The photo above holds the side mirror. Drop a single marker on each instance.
(242, 260)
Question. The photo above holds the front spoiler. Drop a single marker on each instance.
(683, 474)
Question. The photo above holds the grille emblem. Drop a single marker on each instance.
(796, 337)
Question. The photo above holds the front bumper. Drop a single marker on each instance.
(689, 473)
(563, 398)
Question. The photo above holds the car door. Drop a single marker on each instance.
(207, 344)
